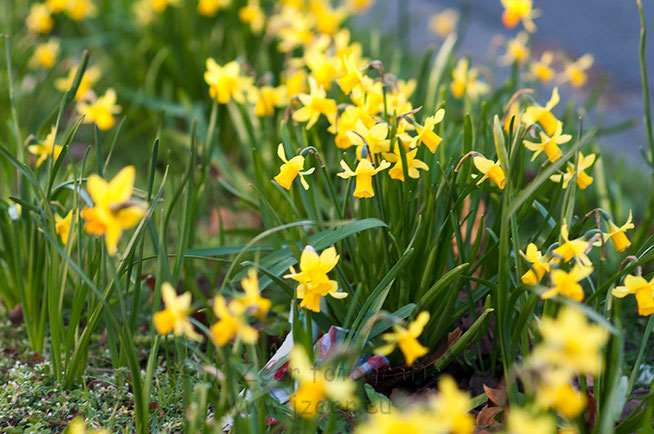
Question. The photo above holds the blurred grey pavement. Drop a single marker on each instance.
(608, 29)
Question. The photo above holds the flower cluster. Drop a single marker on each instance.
(570, 347)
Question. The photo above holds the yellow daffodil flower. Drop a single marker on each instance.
(543, 116)
(291, 169)
(520, 421)
(252, 299)
(444, 23)
(371, 96)
(314, 282)
(294, 29)
(113, 211)
(253, 15)
(617, 234)
(359, 6)
(541, 69)
(39, 19)
(231, 323)
(348, 121)
(571, 249)
(90, 77)
(323, 68)
(225, 82)
(353, 78)
(490, 170)
(62, 226)
(78, 10)
(406, 339)
(566, 283)
(642, 289)
(314, 104)
(174, 318)
(209, 8)
(101, 111)
(294, 83)
(266, 99)
(328, 18)
(539, 264)
(556, 391)
(517, 50)
(451, 408)
(516, 11)
(315, 385)
(583, 179)
(45, 54)
(570, 343)
(575, 72)
(45, 148)
(392, 420)
(465, 81)
(412, 163)
(363, 175)
(160, 5)
(375, 137)
(549, 144)
(57, 6)
(398, 99)
(426, 134)
(78, 426)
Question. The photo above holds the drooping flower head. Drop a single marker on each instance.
(113, 209)
(363, 175)
(314, 104)
(251, 300)
(543, 116)
(425, 133)
(451, 407)
(642, 289)
(226, 82)
(575, 72)
(539, 264)
(62, 226)
(174, 318)
(517, 49)
(567, 283)
(465, 81)
(617, 234)
(406, 339)
(491, 170)
(569, 249)
(232, 322)
(209, 8)
(316, 385)
(101, 111)
(583, 179)
(570, 342)
(313, 278)
(375, 137)
(516, 11)
(90, 77)
(253, 15)
(412, 163)
(45, 148)
(291, 169)
(549, 144)
(39, 19)
(78, 10)
(541, 69)
(353, 78)
(45, 54)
